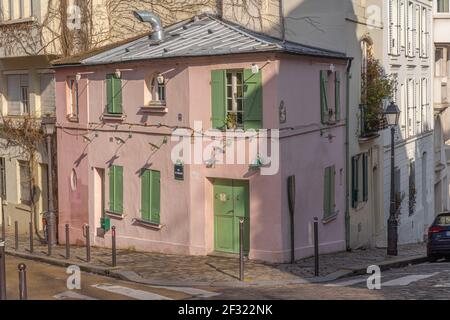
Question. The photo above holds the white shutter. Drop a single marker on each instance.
(391, 27)
(14, 94)
(47, 93)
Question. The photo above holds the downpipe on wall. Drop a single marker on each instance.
(347, 158)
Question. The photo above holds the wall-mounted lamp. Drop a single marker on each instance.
(332, 68)
(255, 68)
(160, 78)
(87, 139)
(119, 140)
(78, 77)
(118, 74)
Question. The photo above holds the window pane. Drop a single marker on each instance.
(239, 105)
(240, 91)
(229, 104)
(239, 78)
(239, 118)
(229, 91)
(229, 78)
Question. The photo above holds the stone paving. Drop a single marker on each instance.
(164, 267)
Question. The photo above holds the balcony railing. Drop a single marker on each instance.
(370, 125)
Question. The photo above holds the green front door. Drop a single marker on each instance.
(231, 203)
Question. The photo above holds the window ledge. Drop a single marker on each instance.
(330, 218)
(23, 207)
(147, 224)
(72, 118)
(113, 117)
(115, 215)
(155, 106)
(17, 21)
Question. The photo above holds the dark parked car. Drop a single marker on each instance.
(438, 245)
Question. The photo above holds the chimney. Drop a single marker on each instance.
(154, 21)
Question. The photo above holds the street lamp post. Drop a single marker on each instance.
(49, 128)
(392, 114)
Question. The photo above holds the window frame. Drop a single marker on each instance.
(23, 165)
(72, 97)
(24, 100)
(235, 98)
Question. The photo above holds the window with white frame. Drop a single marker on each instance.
(416, 30)
(25, 182)
(417, 107)
(72, 100)
(235, 97)
(410, 89)
(157, 87)
(394, 27)
(424, 104)
(410, 30)
(24, 99)
(442, 6)
(18, 94)
(402, 24)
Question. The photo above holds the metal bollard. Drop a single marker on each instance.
(241, 249)
(316, 247)
(2, 271)
(31, 238)
(49, 237)
(67, 242)
(16, 235)
(88, 244)
(23, 295)
(113, 246)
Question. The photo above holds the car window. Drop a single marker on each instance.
(443, 220)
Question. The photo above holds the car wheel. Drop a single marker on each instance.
(432, 258)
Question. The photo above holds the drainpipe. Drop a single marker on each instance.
(347, 158)
(282, 21)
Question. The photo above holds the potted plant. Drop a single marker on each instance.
(377, 86)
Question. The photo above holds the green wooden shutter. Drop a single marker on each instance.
(118, 190)
(337, 95)
(117, 89)
(155, 196)
(112, 202)
(109, 93)
(327, 193)
(355, 182)
(324, 96)
(332, 187)
(253, 100)
(218, 97)
(365, 177)
(145, 195)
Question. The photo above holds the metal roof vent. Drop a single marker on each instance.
(155, 22)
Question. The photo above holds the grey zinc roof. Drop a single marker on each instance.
(205, 35)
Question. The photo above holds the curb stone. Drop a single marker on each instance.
(131, 276)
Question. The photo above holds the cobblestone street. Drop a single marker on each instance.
(420, 282)
(163, 267)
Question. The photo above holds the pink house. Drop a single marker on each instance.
(135, 150)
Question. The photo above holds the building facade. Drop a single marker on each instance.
(408, 58)
(441, 90)
(119, 112)
(356, 28)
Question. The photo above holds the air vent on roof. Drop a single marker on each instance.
(210, 31)
(155, 22)
(166, 50)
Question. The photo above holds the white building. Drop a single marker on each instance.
(408, 56)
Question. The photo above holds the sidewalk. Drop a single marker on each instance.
(175, 270)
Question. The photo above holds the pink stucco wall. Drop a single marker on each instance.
(187, 206)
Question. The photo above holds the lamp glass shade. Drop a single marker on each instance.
(48, 125)
(392, 114)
